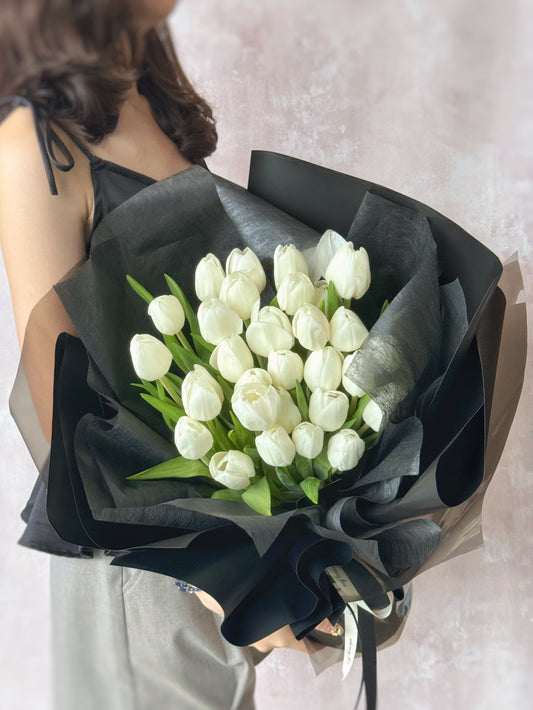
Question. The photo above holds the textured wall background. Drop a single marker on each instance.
(431, 98)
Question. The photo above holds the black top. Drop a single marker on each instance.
(113, 184)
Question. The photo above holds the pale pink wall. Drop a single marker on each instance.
(431, 98)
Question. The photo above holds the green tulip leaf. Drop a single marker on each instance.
(227, 494)
(190, 315)
(245, 437)
(258, 497)
(275, 302)
(332, 300)
(321, 465)
(311, 487)
(173, 468)
(139, 290)
(286, 479)
(302, 402)
(165, 407)
(304, 466)
(203, 348)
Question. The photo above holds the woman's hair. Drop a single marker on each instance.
(67, 56)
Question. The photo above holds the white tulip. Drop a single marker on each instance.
(285, 367)
(208, 277)
(255, 309)
(271, 330)
(347, 330)
(373, 415)
(232, 357)
(349, 270)
(288, 259)
(348, 385)
(321, 291)
(323, 368)
(192, 438)
(311, 327)
(275, 446)
(289, 415)
(319, 257)
(345, 449)
(201, 394)
(295, 290)
(247, 260)
(150, 357)
(239, 292)
(217, 321)
(232, 468)
(254, 374)
(167, 314)
(328, 409)
(256, 405)
(308, 439)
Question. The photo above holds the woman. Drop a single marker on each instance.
(101, 83)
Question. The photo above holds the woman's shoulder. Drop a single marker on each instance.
(25, 162)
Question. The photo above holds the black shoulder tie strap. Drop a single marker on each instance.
(46, 141)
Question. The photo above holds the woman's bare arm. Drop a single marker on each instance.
(42, 236)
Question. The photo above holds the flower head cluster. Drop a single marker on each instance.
(264, 401)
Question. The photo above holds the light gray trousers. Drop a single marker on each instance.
(128, 639)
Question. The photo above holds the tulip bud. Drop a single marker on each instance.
(311, 327)
(308, 439)
(271, 330)
(193, 440)
(289, 414)
(345, 449)
(217, 321)
(254, 374)
(328, 409)
(321, 292)
(239, 292)
(288, 259)
(256, 405)
(347, 330)
(350, 271)
(285, 367)
(232, 468)
(295, 290)
(348, 385)
(373, 415)
(275, 446)
(247, 260)
(201, 394)
(323, 368)
(208, 277)
(325, 250)
(232, 358)
(150, 357)
(167, 314)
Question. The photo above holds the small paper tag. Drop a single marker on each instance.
(342, 583)
(350, 639)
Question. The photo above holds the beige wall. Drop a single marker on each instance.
(431, 98)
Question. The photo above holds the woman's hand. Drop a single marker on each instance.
(281, 638)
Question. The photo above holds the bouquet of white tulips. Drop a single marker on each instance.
(315, 424)
(261, 402)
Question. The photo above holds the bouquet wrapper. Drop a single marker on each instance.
(453, 333)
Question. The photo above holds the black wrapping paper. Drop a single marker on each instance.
(414, 499)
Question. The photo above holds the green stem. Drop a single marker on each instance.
(169, 387)
(363, 429)
(212, 428)
(183, 340)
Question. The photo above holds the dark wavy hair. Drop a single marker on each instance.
(67, 56)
